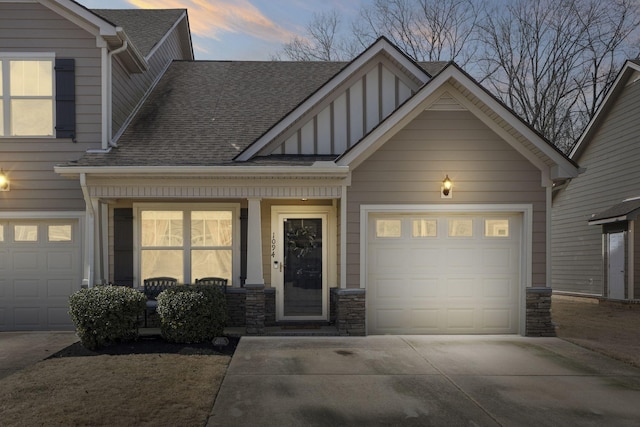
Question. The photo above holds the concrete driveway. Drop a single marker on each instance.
(424, 380)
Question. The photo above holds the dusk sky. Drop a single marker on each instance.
(240, 29)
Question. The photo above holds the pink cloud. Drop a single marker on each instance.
(209, 18)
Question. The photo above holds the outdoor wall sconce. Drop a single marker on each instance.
(4, 181)
(446, 189)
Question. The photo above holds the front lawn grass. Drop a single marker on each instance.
(137, 389)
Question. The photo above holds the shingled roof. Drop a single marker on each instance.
(145, 27)
(206, 112)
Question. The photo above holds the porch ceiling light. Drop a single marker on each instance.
(4, 181)
(446, 188)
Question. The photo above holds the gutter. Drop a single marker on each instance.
(319, 170)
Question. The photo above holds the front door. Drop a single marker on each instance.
(299, 266)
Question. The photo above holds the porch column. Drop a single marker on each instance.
(255, 304)
(254, 244)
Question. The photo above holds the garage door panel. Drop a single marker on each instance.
(425, 319)
(58, 317)
(57, 261)
(425, 258)
(460, 287)
(388, 288)
(26, 317)
(497, 287)
(26, 288)
(25, 261)
(390, 318)
(390, 257)
(59, 288)
(4, 256)
(448, 284)
(501, 258)
(461, 258)
(424, 288)
(460, 318)
(499, 319)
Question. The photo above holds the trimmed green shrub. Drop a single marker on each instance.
(106, 314)
(190, 314)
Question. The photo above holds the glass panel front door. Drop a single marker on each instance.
(302, 287)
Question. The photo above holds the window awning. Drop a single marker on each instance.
(628, 210)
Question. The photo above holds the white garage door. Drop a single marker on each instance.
(443, 274)
(39, 269)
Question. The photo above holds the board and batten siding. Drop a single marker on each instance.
(410, 167)
(611, 175)
(129, 89)
(342, 121)
(31, 27)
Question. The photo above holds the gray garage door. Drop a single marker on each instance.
(39, 268)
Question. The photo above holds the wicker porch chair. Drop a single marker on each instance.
(215, 281)
(152, 288)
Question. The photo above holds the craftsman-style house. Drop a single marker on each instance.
(381, 195)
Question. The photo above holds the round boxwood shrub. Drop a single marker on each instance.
(106, 314)
(190, 314)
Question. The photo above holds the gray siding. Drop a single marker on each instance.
(409, 168)
(612, 174)
(30, 27)
(636, 261)
(129, 89)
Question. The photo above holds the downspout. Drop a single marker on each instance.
(87, 280)
(107, 95)
(122, 48)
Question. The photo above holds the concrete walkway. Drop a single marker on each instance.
(21, 349)
(424, 380)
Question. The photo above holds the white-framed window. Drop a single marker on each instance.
(187, 242)
(27, 86)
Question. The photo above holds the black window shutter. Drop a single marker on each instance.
(65, 98)
(123, 246)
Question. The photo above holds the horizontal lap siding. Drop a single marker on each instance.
(410, 167)
(30, 27)
(611, 175)
(129, 89)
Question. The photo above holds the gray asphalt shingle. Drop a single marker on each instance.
(204, 113)
(145, 27)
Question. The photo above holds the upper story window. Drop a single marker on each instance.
(27, 95)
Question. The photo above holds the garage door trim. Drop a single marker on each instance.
(366, 211)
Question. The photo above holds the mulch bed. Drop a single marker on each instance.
(150, 345)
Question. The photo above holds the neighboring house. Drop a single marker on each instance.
(319, 190)
(595, 238)
(70, 80)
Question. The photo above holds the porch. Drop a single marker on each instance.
(252, 311)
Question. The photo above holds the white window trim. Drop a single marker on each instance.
(182, 207)
(5, 99)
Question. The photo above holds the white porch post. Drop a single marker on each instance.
(255, 274)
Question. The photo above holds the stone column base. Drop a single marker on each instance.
(349, 311)
(255, 309)
(538, 321)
